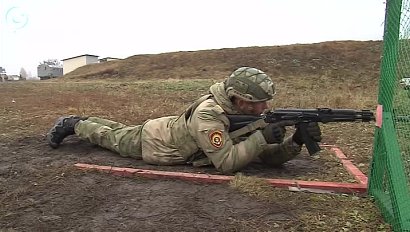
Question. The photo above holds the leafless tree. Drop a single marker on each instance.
(23, 74)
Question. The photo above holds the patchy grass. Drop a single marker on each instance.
(335, 75)
(37, 104)
(317, 212)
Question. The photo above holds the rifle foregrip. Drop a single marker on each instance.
(311, 145)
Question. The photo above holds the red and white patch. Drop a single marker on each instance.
(215, 137)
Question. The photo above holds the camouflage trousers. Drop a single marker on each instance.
(127, 141)
(115, 136)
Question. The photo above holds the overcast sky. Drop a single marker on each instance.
(33, 31)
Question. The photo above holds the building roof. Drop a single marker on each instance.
(49, 65)
(78, 56)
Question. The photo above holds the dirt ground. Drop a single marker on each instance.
(41, 190)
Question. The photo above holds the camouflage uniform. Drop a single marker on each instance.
(192, 136)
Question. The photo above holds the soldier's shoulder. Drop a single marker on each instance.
(211, 106)
(209, 110)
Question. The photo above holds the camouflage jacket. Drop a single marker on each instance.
(204, 133)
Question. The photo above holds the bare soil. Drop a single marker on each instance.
(41, 190)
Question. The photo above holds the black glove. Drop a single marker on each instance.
(313, 130)
(274, 133)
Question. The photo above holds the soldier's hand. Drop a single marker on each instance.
(313, 131)
(274, 133)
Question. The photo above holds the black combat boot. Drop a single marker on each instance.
(63, 127)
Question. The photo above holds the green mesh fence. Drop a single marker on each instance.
(390, 171)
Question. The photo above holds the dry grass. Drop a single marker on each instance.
(38, 104)
(344, 212)
(337, 60)
(336, 75)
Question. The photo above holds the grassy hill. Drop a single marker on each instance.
(341, 60)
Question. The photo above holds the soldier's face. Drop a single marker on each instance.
(252, 108)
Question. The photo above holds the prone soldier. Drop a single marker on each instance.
(201, 135)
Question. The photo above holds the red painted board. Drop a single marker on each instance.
(207, 178)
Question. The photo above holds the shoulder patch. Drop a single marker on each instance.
(215, 137)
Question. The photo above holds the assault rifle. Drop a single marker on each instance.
(301, 118)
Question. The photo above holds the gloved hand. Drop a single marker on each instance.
(274, 133)
(313, 131)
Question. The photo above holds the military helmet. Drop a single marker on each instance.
(250, 84)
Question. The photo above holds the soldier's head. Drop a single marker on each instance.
(250, 89)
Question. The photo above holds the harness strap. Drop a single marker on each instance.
(248, 128)
(194, 105)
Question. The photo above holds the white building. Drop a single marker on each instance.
(69, 64)
(13, 77)
(49, 70)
